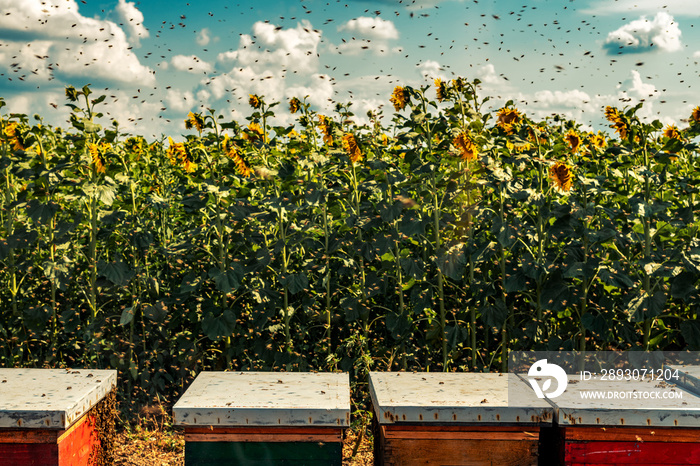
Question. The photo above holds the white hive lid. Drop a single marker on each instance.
(265, 399)
(688, 376)
(50, 398)
(634, 408)
(463, 398)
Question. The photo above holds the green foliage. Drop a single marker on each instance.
(438, 242)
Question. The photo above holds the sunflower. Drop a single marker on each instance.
(135, 145)
(621, 128)
(14, 136)
(519, 148)
(97, 152)
(597, 140)
(441, 89)
(351, 147)
(234, 154)
(399, 98)
(178, 155)
(574, 140)
(254, 132)
(254, 100)
(618, 123)
(466, 147)
(695, 115)
(72, 94)
(671, 132)
(324, 123)
(612, 114)
(294, 105)
(561, 175)
(194, 120)
(507, 117)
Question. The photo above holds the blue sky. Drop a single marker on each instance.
(157, 60)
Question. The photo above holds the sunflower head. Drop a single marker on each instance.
(508, 118)
(326, 127)
(441, 89)
(234, 154)
(72, 94)
(621, 128)
(11, 129)
(597, 140)
(671, 132)
(98, 153)
(466, 147)
(695, 115)
(399, 98)
(178, 155)
(351, 147)
(254, 101)
(135, 145)
(294, 105)
(194, 120)
(561, 176)
(15, 137)
(574, 140)
(612, 114)
(253, 132)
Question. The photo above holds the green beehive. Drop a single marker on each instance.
(253, 418)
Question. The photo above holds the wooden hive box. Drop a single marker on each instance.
(456, 419)
(632, 429)
(256, 418)
(47, 415)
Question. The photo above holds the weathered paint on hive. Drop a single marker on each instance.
(571, 408)
(688, 376)
(50, 398)
(265, 398)
(464, 398)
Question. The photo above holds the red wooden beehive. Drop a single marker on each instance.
(45, 415)
(648, 422)
(456, 419)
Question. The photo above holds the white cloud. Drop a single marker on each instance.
(368, 35)
(190, 64)
(372, 28)
(292, 49)
(643, 35)
(132, 19)
(635, 88)
(696, 54)
(71, 45)
(319, 92)
(356, 47)
(179, 101)
(430, 70)
(203, 37)
(132, 114)
(675, 7)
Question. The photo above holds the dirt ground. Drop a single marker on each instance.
(161, 445)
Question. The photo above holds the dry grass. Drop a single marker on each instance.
(152, 441)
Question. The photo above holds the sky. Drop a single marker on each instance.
(156, 60)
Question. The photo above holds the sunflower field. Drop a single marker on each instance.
(436, 238)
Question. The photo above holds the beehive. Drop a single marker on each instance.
(45, 415)
(633, 428)
(264, 418)
(456, 418)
